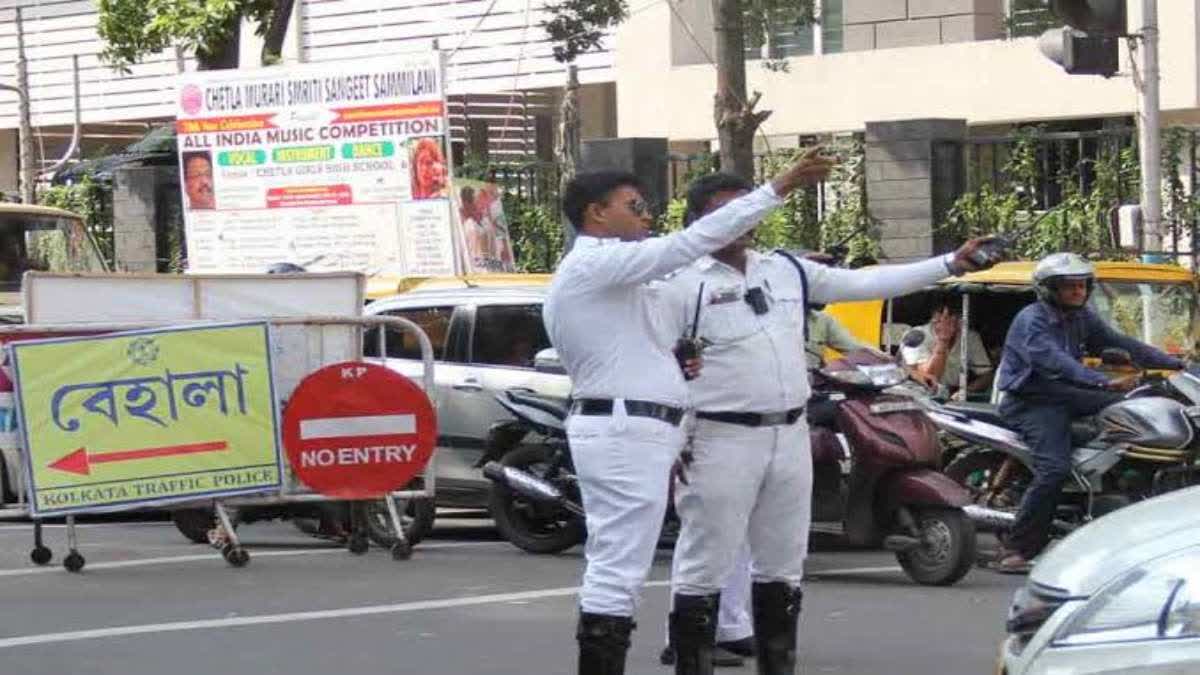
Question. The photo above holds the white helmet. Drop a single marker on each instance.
(1061, 266)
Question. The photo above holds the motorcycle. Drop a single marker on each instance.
(875, 471)
(1141, 446)
(892, 495)
(535, 498)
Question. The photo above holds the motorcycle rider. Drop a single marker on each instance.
(749, 470)
(1045, 385)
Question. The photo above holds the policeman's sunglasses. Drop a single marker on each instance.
(638, 207)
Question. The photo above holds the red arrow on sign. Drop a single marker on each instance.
(80, 462)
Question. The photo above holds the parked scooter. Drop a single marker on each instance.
(535, 495)
(892, 495)
(1139, 447)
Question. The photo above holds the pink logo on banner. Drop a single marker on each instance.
(191, 99)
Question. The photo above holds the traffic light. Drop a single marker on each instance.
(1080, 53)
(1090, 42)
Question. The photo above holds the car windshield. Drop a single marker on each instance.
(1160, 314)
(43, 243)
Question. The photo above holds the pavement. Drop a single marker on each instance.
(150, 603)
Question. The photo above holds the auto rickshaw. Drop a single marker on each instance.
(1154, 303)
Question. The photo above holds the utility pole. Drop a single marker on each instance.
(1149, 132)
(28, 174)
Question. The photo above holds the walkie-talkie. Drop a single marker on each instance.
(688, 348)
(996, 247)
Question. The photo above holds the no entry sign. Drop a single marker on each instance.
(357, 430)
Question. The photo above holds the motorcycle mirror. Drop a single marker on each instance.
(1115, 356)
(913, 338)
(547, 361)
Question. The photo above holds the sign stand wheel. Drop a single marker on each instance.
(40, 555)
(402, 550)
(74, 562)
(236, 556)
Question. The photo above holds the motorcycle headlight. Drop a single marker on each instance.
(853, 377)
(1159, 600)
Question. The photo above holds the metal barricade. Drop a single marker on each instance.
(289, 368)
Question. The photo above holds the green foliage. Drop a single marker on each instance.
(577, 26)
(92, 201)
(133, 29)
(844, 224)
(1078, 222)
(536, 234)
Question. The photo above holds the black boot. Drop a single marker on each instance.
(776, 607)
(603, 641)
(694, 632)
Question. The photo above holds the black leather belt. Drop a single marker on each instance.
(604, 406)
(749, 419)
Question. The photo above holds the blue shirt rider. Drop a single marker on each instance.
(1045, 385)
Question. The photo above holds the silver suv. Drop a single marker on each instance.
(484, 340)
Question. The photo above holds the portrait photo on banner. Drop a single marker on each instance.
(427, 165)
(198, 180)
(479, 209)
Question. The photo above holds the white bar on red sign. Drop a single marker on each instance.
(366, 425)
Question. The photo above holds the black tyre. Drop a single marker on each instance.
(416, 517)
(978, 470)
(947, 549)
(194, 523)
(530, 526)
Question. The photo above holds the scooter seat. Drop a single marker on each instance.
(1083, 430)
(553, 406)
(988, 413)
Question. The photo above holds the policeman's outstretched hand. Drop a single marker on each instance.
(979, 253)
(810, 169)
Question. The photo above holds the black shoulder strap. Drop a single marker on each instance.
(803, 285)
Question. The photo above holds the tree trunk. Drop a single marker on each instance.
(733, 111)
(223, 56)
(568, 146)
(272, 50)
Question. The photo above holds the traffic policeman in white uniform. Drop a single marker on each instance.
(628, 389)
(749, 468)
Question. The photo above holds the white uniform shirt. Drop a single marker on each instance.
(601, 316)
(756, 363)
(977, 355)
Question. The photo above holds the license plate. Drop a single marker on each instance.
(894, 406)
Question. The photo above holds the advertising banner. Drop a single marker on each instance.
(484, 227)
(334, 166)
(130, 419)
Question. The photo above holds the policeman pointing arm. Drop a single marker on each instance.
(629, 394)
(750, 473)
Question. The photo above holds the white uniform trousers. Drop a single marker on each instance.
(750, 484)
(624, 467)
(734, 621)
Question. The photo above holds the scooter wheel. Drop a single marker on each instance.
(74, 562)
(402, 550)
(41, 555)
(236, 556)
(358, 543)
(947, 549)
